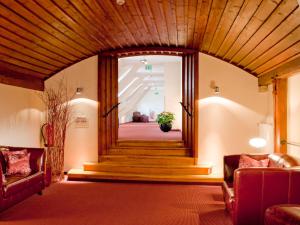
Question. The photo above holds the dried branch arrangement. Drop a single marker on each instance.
(58, 110)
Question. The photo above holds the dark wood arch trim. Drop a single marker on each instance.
(108, 86)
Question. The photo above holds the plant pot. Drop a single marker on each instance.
(165, 127)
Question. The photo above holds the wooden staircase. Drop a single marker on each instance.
(146, 161)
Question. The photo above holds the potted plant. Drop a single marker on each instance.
(165, 120)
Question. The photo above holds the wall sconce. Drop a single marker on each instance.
(215, 87)
(217, 90)
(79, 91)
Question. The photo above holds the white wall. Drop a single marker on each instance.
(153, 100)
(20, 117)
(173, 74)
(81, 143)
(229, 120)
(293, 122)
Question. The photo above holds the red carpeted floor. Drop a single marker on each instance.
(104, 203)
(146, 131)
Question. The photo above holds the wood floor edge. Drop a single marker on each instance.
(88, 175)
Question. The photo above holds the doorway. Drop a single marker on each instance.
(108, 92)
(147, 86)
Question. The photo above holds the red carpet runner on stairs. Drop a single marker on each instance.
(104, 203)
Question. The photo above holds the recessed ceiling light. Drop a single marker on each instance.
(120, 2)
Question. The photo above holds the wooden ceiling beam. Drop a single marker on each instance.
(286, 70)
(21, 80)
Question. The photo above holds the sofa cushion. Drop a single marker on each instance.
(18, 162)
(247, 162)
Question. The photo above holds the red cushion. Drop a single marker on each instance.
(18, 162)
(247, 162)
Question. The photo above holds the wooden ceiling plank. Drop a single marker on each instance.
(230, 14)
(68, 9)
(59, 25)
(215, 16)
(283, 30)
(7, 66)
(149, 19)
(21, 80)
(278, 59)
(201, 22)
(31, 37)
(36, 26)
(141, 17)
(158, 19)
(15, 38)
(92, 19)
(246, 12)
(136, 13)
(145, 16)
(280, 14)
(285, 69)
(115, 16)
(38, 18)
(181, 24)
(284, 44)
(192, 7)
(265, 9)
(15, 54)
(68, 21)
(128, 14)
(7, 43)
(21, 63)
(107, 23)
(168, 9)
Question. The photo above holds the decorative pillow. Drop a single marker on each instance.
(246, 162)
(18, 163)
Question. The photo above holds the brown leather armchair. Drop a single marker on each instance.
(248, 192)
(17, 188)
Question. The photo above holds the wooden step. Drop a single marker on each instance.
(148, 151)
(80, 174)
(150, 143)
(149, 169)
(148, 160)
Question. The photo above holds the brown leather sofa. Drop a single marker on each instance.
(17, 188)
(248, 192)
(283, 215)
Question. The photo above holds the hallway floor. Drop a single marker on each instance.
(146, 131)
(105, 203)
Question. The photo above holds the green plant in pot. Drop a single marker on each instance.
(165, 120)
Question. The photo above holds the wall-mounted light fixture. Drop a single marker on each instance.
(215, 88)
(79, 91)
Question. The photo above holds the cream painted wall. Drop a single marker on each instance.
(20, 117)
(227, 121)
(293, 122)
(173, 92)
(81, 143)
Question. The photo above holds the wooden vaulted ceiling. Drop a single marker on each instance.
(38, 38)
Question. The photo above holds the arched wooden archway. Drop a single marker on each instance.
(108, 96)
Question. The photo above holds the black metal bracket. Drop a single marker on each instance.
(186, 109)
(111, 109)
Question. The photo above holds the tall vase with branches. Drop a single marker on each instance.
(58, 111)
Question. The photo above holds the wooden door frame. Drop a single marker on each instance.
(114, 55)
